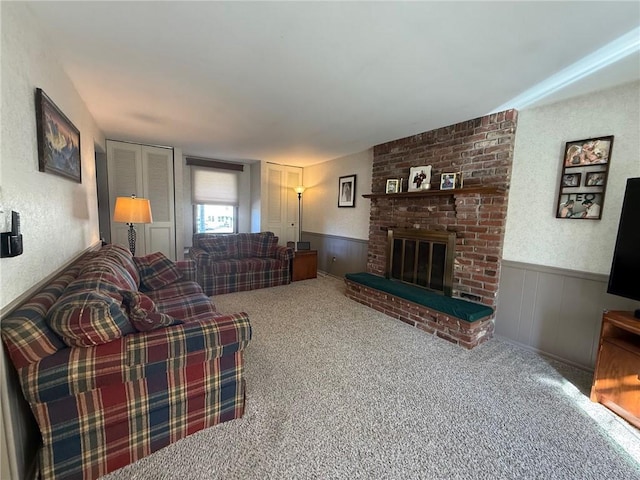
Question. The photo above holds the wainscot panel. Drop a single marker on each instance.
(350, 253)
(554, 311)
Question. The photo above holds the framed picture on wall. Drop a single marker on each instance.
(585, 165)
(58, 140)
(347, 191)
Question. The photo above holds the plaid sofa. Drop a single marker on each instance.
(119, 357)
(238, 262)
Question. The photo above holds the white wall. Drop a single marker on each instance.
(59, 216)
(533, 234)
(320, 212)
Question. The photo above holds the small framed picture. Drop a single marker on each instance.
(347, 191)
(393, 185)
(420, 178)
(571, 179)
(448, 181)
(580, 205)
(592, 151)
(595, 179)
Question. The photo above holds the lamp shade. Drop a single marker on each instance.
(299, 189)
(132, 210)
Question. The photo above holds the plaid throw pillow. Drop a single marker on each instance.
(143, 313)
(264, 245)
(156, 271)
(88, 318)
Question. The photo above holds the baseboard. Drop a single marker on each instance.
(544, 354)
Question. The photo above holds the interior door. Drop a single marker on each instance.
(157, 179)
(125, 178)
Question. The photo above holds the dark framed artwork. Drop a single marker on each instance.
(58, 140)
(347, 191)
(583, 181)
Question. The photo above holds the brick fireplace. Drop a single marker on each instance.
(482, 149)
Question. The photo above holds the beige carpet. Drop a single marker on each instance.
(339, 391)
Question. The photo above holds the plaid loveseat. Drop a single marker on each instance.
(118, 357)
(238, 262)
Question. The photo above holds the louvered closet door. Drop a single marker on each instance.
(124, 164)
(157, 168)
(275, 218)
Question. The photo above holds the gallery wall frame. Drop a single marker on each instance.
(583, 180)
(58, 140)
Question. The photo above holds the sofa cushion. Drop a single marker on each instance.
(143, 313)
(123, 256)
(220, 247)
(156, 271)
(106, 273)
(88, 318)
(185, 307)
(232, 266)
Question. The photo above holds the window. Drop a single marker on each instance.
(214, 219)
(214, 194)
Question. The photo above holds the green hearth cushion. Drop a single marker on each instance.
(454, 307)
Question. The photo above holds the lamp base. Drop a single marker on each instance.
(131, 236)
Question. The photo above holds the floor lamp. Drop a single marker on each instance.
(299, 190)
(131, 210)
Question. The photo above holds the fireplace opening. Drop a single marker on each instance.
(423, 258)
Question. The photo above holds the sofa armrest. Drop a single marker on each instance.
(284, 253)
(200, 256)
(72, 371)
(188, 269)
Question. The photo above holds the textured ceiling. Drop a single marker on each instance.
(301, 82)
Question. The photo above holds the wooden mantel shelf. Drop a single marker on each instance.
(435, 193)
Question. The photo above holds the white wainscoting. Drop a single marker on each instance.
(554, 311)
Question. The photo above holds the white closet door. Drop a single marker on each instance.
(157, 168)
(294, 178)
(274, 216)
(125, 178)
(281, 212)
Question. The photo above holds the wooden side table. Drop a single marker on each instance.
(304, 265)
(616, 380)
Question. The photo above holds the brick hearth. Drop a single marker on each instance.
(483, 150)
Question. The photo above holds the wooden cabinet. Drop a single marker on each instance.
(146, 171)
(616, 381)
(304, 265)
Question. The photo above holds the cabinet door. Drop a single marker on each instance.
(157, 178)
(125, 178)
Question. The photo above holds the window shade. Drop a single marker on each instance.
(210, 186)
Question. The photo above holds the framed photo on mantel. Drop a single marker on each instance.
(585, 167)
